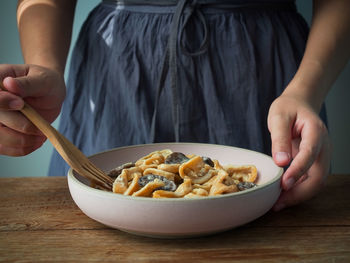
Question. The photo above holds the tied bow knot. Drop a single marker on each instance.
(186, 9)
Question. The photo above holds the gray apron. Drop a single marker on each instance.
(190, 71)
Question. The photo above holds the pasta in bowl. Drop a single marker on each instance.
(194, 204)
(168, 174)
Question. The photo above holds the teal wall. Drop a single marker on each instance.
(36, 164)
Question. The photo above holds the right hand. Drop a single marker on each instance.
(42, 88)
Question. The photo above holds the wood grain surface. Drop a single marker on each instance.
(39, 222)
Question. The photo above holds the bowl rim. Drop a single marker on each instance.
(70, 175)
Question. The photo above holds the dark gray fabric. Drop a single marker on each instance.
(224, 94)
(202, 2)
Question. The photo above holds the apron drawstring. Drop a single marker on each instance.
(187, 9)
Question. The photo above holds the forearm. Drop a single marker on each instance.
(45, 28)
(327, 52)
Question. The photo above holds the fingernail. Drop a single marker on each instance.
(282, 157)
(15, 104)
(289, 183)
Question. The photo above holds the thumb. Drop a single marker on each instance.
(25, 86)
(281, 137)
(11, 85)
(9, 101)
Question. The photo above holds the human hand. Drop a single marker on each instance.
(43, 89)
(299, 139)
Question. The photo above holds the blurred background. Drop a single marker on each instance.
(36, 164)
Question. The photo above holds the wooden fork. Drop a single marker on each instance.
(70, 153)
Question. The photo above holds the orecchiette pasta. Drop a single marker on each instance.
(167, 174)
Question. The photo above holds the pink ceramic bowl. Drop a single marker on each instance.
(181, 217)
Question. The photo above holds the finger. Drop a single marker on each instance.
(281, 136)
(17, 121)
(310, 185)
(301, 192)
(312, 138)
(26, 86)
(11, 151)
(7, 73)
(7, 70)
(9, 101)
(12, 85)
(32, 88)
(11, 138)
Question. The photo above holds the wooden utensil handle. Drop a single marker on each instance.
(38, 121)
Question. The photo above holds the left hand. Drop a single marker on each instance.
(299, 139)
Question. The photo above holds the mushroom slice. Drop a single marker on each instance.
(167, 175)
(168, 184)
(245, 185)
(148, 189)
(176, 158)
(197, 170)
(208, 161)
(114, 173)
(244, 173)
(182, 190)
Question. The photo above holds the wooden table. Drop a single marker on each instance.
(39, 222)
